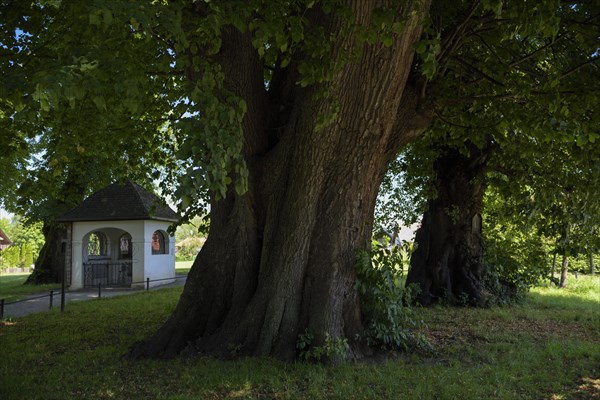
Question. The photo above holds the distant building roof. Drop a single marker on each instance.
(117, 202)
(4, 240)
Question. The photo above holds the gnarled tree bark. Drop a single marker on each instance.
(279, 259)
(448, 260)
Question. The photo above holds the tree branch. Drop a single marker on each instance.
(447, 121)
(455, 38)
(533, 53)
(480, 72)
(578, 67)
(243, 70)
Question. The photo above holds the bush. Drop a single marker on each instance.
(516, 263)
(581, 263)
(385, 301)
(17, 257)
(11, 257)
(188, 248)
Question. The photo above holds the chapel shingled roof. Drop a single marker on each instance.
(121, 201)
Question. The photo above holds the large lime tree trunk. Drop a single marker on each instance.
(280, 259)
(448, 260)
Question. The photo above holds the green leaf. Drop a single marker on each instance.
(107, 17)
(44, 104)
(95, 18)
(100, 103)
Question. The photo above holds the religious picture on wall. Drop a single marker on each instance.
(158, 243)
(124, 246)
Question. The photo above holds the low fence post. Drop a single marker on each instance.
(51, 299)
(99, 290)
(1, 308)
(147, 284)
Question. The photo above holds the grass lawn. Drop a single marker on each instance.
(183, 267)
(546, 348)
(12, 288)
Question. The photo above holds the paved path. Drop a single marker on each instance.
(35, 303)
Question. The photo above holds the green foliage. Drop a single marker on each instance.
(517, 257)
(403, 193)
(144, 81)
(390, 321)
(197, 227)
(304, 340)
(80, 118)
(188, 249)
(27, 239)
(428, 50)
(101, 91)
(547, 206)
(332, 348)
(190, 237)
(581, 263)
(523, 90)
(10, 257)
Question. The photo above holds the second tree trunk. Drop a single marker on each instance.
(448, 260)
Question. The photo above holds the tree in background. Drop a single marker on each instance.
(564, 196)
(27, 240)
(65, 139)
(540, 96)
(189, 238)
(509, 201)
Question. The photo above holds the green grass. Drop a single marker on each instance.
(581, 291)
(12, 287)
(183, 267)
(546, 348)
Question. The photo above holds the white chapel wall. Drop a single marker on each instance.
(159, 266)
(112, 229)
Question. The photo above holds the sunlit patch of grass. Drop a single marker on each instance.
(581, 291)
(183, 267)
(12, 287)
